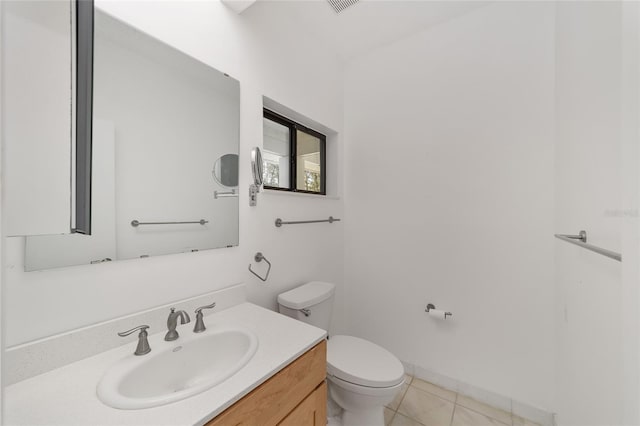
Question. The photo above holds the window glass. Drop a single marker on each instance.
(308, 162)
(276, 154)
(294, 156)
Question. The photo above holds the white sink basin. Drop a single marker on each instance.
(177, 370)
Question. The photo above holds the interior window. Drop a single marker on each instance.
(294, 156)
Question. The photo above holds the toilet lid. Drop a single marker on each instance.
(363, 363)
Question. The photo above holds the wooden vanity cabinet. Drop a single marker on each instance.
(295, 396)
(312, 411)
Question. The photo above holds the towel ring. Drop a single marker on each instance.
(259, 257)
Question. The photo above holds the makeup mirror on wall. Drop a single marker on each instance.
(256, 166)
(225, 170)
(256, 172)
(161, 119)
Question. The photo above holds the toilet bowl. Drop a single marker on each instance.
(362, 376)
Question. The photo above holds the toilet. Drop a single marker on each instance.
(362, 376)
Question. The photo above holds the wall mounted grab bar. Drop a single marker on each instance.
(220, 194)
(280, 222)
(136, 223)
(581, 240)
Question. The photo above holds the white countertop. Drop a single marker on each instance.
(67, 395)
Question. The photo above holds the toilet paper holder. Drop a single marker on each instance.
(431, 306)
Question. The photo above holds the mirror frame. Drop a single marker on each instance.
(83, 116)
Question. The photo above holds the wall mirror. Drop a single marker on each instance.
(225, 170)
(161, 119)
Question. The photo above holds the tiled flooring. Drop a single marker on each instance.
(421, 403)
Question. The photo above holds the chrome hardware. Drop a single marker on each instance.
(143, 347)
(220, 194)
(106, 259)
(256, 167)
(431, 306)
(253, 195)
(581, 241)
(582, 236)
(280, 222)
(172, 323)
(256, 172)
(136, 223)
(199, 327)
(259, 257)
(305, 311)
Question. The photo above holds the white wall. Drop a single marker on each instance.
(450, 198)
(254, 48)
(2, 252)
(631, 203)
(596, 190)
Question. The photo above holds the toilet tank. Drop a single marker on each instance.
(311, 303)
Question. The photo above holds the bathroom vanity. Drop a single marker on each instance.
(296, 396)
(282, 384)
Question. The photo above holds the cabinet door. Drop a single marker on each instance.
(311, 412)
(273, 400)
(36, 116)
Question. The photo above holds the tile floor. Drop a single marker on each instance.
(421, 403)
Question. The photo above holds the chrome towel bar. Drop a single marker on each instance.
(280, 222)
(581, 240)
(220, 194)
(136, 223)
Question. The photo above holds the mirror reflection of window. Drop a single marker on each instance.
(276, 154)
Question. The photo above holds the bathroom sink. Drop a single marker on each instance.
(177, 370)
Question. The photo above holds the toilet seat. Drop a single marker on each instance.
(365, 390)
(363, 363)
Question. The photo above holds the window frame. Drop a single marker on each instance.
(294, 127)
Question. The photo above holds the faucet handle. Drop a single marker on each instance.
(142, 328)
(199, 310)
(143, 347)
(200, 327)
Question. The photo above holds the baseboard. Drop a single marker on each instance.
(502, 402)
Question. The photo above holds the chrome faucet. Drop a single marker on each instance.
(200, 327)
(143, 344)
(172, 323)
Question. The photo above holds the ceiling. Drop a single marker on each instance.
(365, 26)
